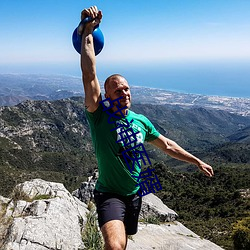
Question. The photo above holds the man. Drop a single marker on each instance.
(116, 191)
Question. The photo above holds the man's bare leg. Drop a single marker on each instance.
(114, 235)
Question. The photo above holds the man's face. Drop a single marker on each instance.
(118, 87)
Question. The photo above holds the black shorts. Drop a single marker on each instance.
(117, 207)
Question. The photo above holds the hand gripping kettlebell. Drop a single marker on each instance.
(98, 37)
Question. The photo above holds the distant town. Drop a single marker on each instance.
(16, 88)
(161, 97)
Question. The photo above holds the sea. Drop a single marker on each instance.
(231, 79)
(228, 79)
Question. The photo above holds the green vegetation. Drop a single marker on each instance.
(20, 195)
(5, 222)
(241, 234)
(45, 140)
(11, 176)
(151, 220)
(91, 235)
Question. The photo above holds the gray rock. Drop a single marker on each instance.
(44, 216)
(152, 206)
(169, 236)
(85, 192)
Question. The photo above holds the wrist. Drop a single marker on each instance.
(199, 163)
(88, 29)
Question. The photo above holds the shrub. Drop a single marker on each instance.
(151, 219)
(241, 234)
(91, 235)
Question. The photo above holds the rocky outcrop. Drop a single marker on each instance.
(168, 236)
(85, 192)
(152, 206)
(43, 215)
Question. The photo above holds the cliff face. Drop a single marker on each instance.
(44, 215)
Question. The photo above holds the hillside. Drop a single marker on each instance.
(241, 136)
(49, 140)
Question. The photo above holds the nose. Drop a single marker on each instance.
(123, 93)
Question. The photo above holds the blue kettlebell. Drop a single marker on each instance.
(98, 37)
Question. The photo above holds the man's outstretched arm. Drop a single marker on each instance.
(88, 64)
(174, 150)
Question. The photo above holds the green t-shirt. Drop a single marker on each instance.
(115, 176)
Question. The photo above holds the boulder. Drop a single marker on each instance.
(43, 215)
(152, 206)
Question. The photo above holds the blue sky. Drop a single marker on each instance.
(35, 35)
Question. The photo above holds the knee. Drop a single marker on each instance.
(115, 245)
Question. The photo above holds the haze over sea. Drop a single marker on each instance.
(230, 79)
(220, 79)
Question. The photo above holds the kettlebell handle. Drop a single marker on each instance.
(86, 20)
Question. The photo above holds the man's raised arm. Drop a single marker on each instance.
(88, 64)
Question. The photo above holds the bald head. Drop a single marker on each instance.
(116, 86)
(113, 79)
